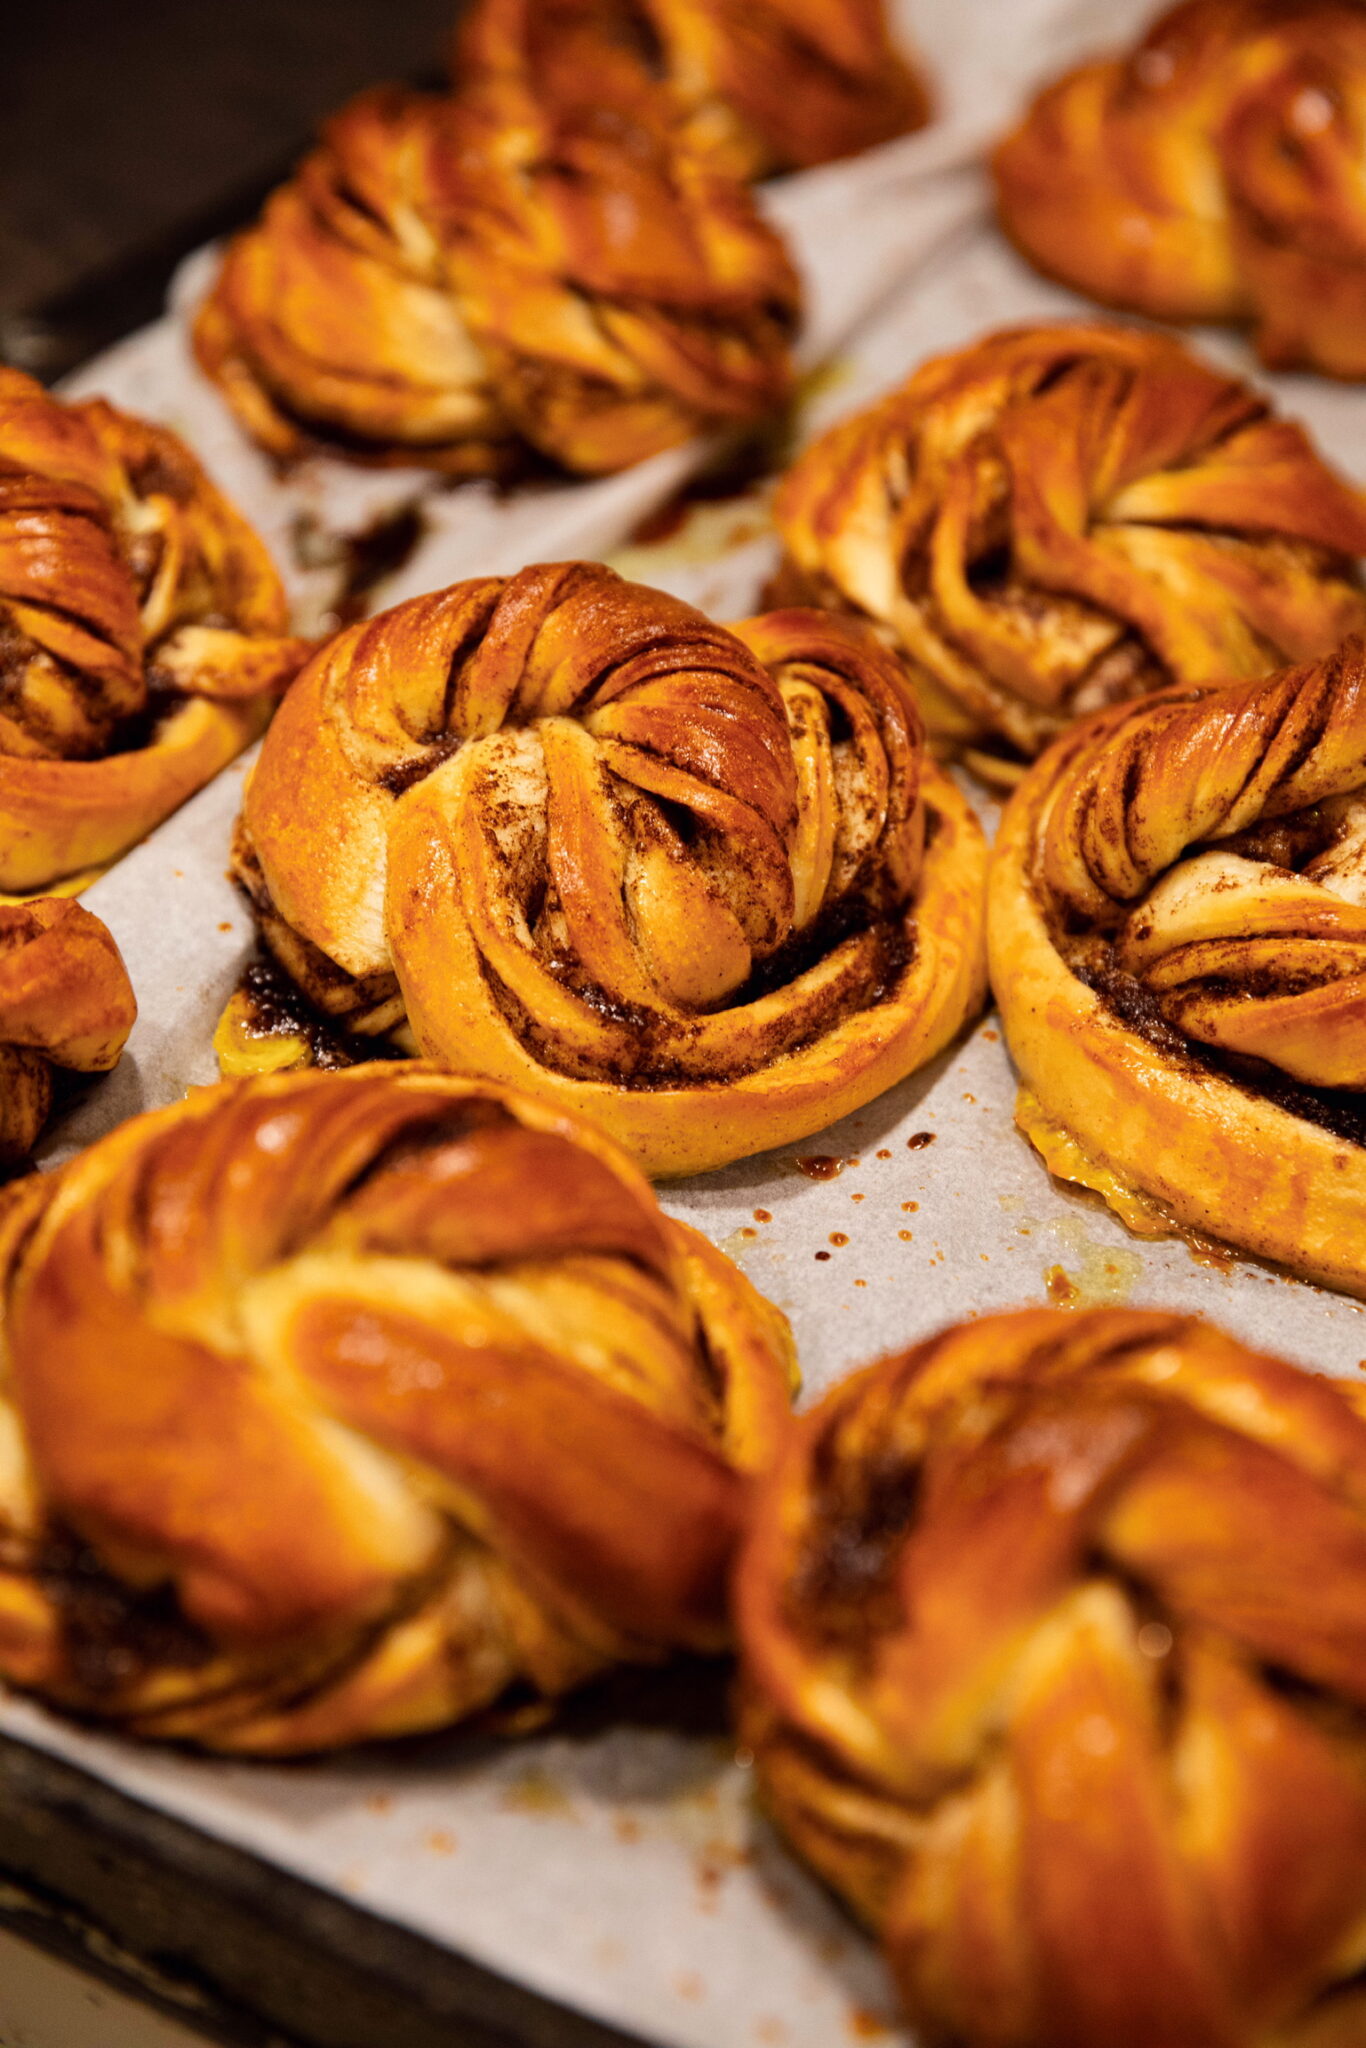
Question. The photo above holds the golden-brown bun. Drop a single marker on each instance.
(1054, 1667)
(332, 320)
(65, 1001)
(1059, 517)
(790, 83)
(557, 260)
(336, 1404)
(769, 85)
(1178, 945)
(142, 632)
(1216, 173)
(700, 884)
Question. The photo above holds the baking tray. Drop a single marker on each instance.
(609, 1879)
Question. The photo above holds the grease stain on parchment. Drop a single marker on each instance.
(1091, 1275)
(536, 1791)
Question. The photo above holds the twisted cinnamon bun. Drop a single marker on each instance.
(699, 883)
(332, 320)
(777, 86)
(1060, 517)
(65, 1001)
(444, 275)
(1054, 1667)
(142, 632)
(1218, 172)
(336, 1404)
(1178, 942)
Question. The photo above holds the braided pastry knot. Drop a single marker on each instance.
(549, 255)
(1058, 518)
(699, 883)
(1178, 937)
(142, 632)
(332, 319)
(619, 280)
(336, 1404)
(1055, 1667)
(773, 87)
(65, 1001)
(1216, 173)
(785, 84)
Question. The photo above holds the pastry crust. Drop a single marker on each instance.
(336, 1404)
(331, 321)
(790, 83)
(65, 1001)
(699, 883)
(775, 86)
(1214, 173)
(1175, 942)
(1060, 517)
(1052, 1650)
(548, 258)
(143, 632)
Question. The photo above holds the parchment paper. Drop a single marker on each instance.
(626, 1872)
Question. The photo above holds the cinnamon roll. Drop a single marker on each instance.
(1178, 942)
(701, 883)
(1057, 518)
(1054, 1667)
(332, 322)
(445, 280)
(143, 632)
(65, 1002)
(335, 1405)
(1218, 172)
(777, 86)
